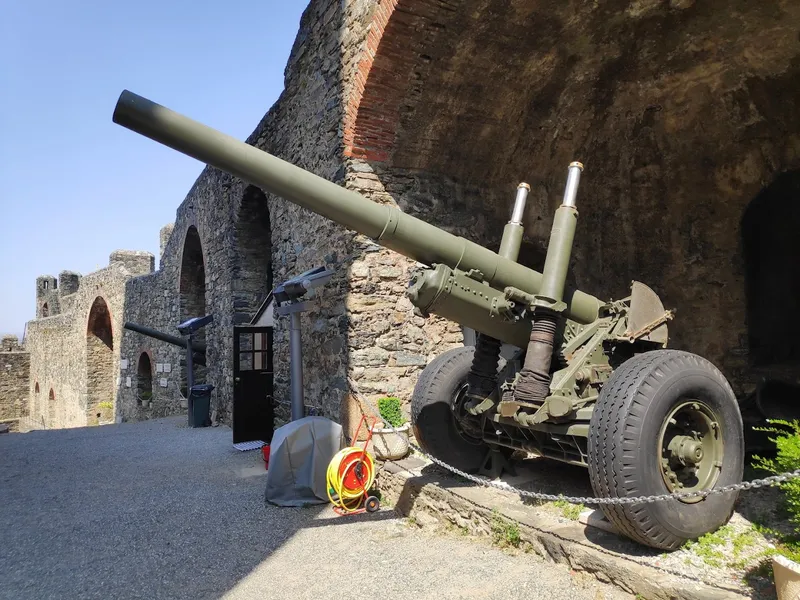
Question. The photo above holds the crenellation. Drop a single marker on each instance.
(163, 238)
(135, 262)
(10, 343)
(68, 283)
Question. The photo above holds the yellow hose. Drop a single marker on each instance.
(349, 498)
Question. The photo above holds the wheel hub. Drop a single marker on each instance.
(686, 450)
(466, 424)
(691, 448)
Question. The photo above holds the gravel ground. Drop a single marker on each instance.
(158, 510)
(730, 556)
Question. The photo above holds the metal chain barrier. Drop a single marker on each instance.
(745, 485)
(736, 487)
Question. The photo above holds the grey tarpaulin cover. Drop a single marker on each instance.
(299, 455)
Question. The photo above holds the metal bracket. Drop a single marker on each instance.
(295, 307)
(643, 331)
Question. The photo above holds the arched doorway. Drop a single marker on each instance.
(192, 294)
(99, 363)
(253, 416)
(252, 271)
(771, 250)
(144, 379)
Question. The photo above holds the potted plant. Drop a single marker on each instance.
(390, 442)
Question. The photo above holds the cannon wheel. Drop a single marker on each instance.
(437, 396)
(666, 421)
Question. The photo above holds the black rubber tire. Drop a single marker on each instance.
(372, 504)
(624, 459)
(432, 416)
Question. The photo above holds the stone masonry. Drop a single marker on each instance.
(74, 347)
(682, 112)
(15, 366)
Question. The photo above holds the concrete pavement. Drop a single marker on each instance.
(158, 510)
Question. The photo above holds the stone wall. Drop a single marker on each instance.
(241, 260)
(15, 366)
(151, 302)
(74, 355)
(389, 344)
(682, 113)
(230, 244)
(680, 117)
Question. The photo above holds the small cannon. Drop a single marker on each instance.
(198, 348)
(590, 382)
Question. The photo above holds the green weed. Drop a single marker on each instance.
(568, 510)
(504, 533)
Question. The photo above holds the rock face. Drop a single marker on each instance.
(685, 115)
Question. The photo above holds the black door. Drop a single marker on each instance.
(253, 410)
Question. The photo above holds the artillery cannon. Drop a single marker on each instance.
(590, 383)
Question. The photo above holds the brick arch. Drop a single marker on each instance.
(507, 90)
(676, 109)
(391, 53)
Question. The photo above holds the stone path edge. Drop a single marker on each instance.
(436, 497)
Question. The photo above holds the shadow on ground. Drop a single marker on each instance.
(141, 510)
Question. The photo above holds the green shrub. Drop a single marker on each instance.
(104, 404)
(390, 411)
(787, 444)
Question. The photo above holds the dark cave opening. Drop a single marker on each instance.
(771, 249)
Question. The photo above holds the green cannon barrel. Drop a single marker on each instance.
(387, 225)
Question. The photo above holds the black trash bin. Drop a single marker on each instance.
(200, 405)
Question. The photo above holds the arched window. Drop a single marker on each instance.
(144, 379)
(51, 408)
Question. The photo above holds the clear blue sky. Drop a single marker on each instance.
(74, 186)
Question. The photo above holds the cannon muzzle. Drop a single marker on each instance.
(199, 348)
(387, 225)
